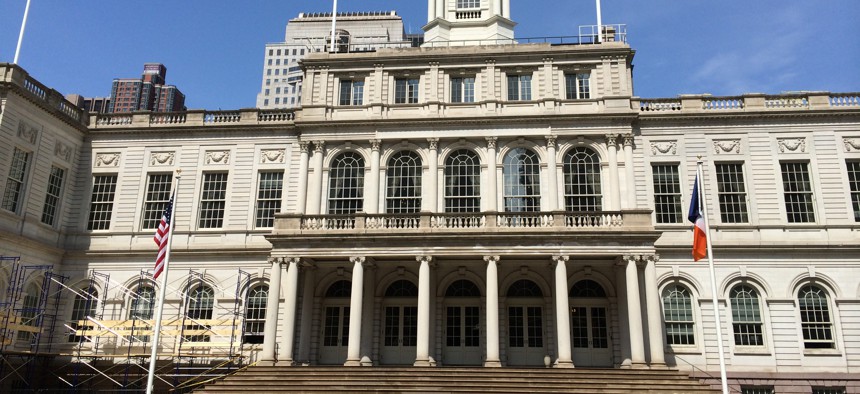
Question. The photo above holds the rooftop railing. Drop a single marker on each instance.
(747, 103)
(48, 98)
(193, 118)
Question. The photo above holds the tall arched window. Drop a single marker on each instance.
(522, 181)
(255, 314)
(678, 315)
(463, 182)
(346, 184)
(746, 316)
(582, 180)
(29, 311)
(84, 305)
(201, 302)
(815, 319)
(403, 186)
(142, 308)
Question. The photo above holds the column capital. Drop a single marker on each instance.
(357, 259)
(276, 260)
(374, 144)
(558, 258)
(434, 143)
(423, 258)
(648, 258)
(303, 146)
(550, 141)
(627, 258)
(492, 259)
(319, 146)
(292, 260)
(491, 142)
(612, 140)
(628, 140)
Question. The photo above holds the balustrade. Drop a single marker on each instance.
(222, 117)
(659, 105)
(845, 100)
(786, 102)
(168, 118)
(723, 103)
(468, 15)
(36, 88)
(113, 120)
(275, 116)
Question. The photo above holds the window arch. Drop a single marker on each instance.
(587, 288)
(403, 183)
(815, 319)
(339, 289)
(84, 305)
(463, 288)
(524, 288)
(522, 181)
(678, 315)
(141, 307)
(255, 313)
(200, 305)
(402, 288)
(463, 181)
(346, 184)
(582, 190)
(746, 316)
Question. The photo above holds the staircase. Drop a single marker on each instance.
(259, 380)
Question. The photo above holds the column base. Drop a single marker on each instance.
(563, 364)
(658, 366)
(267, 363)
(366, 362)
(626, 364)
(638, 365)
(285, 363)
(493, 364)
(422, 363)
(352, 363)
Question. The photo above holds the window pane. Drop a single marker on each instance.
(815, 318)
(213, 200)
(269, 193)
(255, 314)
(522, 181)
(732, 193)
(582, 180)
(403, 183)
(854, 185)
(346, 184)
(746, 316)
(52, 197)
(157, 196)
(797, 188)
(678, 315)
(667, 193)
(15, 181)
(462, 182)
(101, 205)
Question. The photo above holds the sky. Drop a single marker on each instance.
(214, 49)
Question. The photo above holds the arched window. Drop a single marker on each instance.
(339, 289)
(746, 316)
(582, 180)
(29, 311)
(346, 184)
(201, 302)
(463, 288)
(816, 323)
(522, 181)
(678, 315)
(463, 182)
(524, 288)
(587, 288)
(403, 186)
(141, 308)
(402, 288)
(255, 313)
(84, 305)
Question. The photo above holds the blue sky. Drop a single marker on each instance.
(213, 49)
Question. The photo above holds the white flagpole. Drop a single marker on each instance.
(704, 210)
(599, 23)
(333, 23)
(160, 309)
(21, 34)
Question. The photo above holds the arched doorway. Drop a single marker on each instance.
(400, 324)
(462, 343)
(589, 325)
(335, 323)
(526, 339)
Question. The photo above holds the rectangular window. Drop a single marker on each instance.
(269, 194)
(667, 193)
(577, 86)
(52, 197)
(351, 92)
(797, 189)
(406, 91)
(463, 90)
(854, 184)
(519, 87)
(101, 204)
(15, 182)
(213, 200)
(732, 193)
(157, 196)
(468, 4)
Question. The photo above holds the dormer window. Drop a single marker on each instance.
(468, 4)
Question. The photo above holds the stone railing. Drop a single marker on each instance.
(468, 15)
(201, 118)
(747, 103)
(50, 99)
(426, 222)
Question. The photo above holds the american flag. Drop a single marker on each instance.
(161, 236)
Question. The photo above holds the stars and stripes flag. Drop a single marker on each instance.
(161, 237)
(700, 234)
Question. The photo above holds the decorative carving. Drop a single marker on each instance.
(628, 140)
(727, 146)
(63, 151)
(161, 158)
(421, 259)
(434, 143)
(375, 144)
(560, 258)
(664, 147)
(550, 141)
(852, 144)
(792, 145)
(303, 146)
(492, 259)
(107, 160)
(491, 142)
(612, 140)
(319, 146)
(27, 132)
(272, 156)
(217, 157)
(357, 259)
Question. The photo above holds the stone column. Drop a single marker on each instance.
(440, 9)
(614, 184)
(506, 9)
(623, 319)
(628, 168)
(308, 286)
(431, 10)
(634, 312)
(301, 202)
(371, 200)
(562, 312)
(270, 328)
(497, 7)
(353, 349)
(491, 175)
(552, 173)
(433, 176)
(289, 324)
(422, 357)
(367, 319)
(652, 305)
(492, 359)
(315, 188)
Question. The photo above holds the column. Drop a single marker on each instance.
(497, 7)
(301, 203)
(433, 175)
(353, 349)
(506, 9)
(367, 319)
(492, 359)
(431, 10)
(614, 184)
(491, 175)
(634, 312)
(308, 286)
(652, 305)
(551, 173)
(422, 357)
(270, 328)
(623, 320)
(371, 203)
(315, 187)
(440, 9)
(628, 168)
(289, 325)
(562, 312)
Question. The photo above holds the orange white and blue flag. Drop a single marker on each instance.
(700, 235)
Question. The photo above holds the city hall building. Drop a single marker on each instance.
(472, 202)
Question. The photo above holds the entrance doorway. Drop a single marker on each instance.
(400, 324)
(589, 325)
(462, 344)
(526, 344)
(335, 324)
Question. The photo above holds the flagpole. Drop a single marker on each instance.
(703, 202)
(599, 22)
(333, 22)
(160, 309)
(21, 34)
